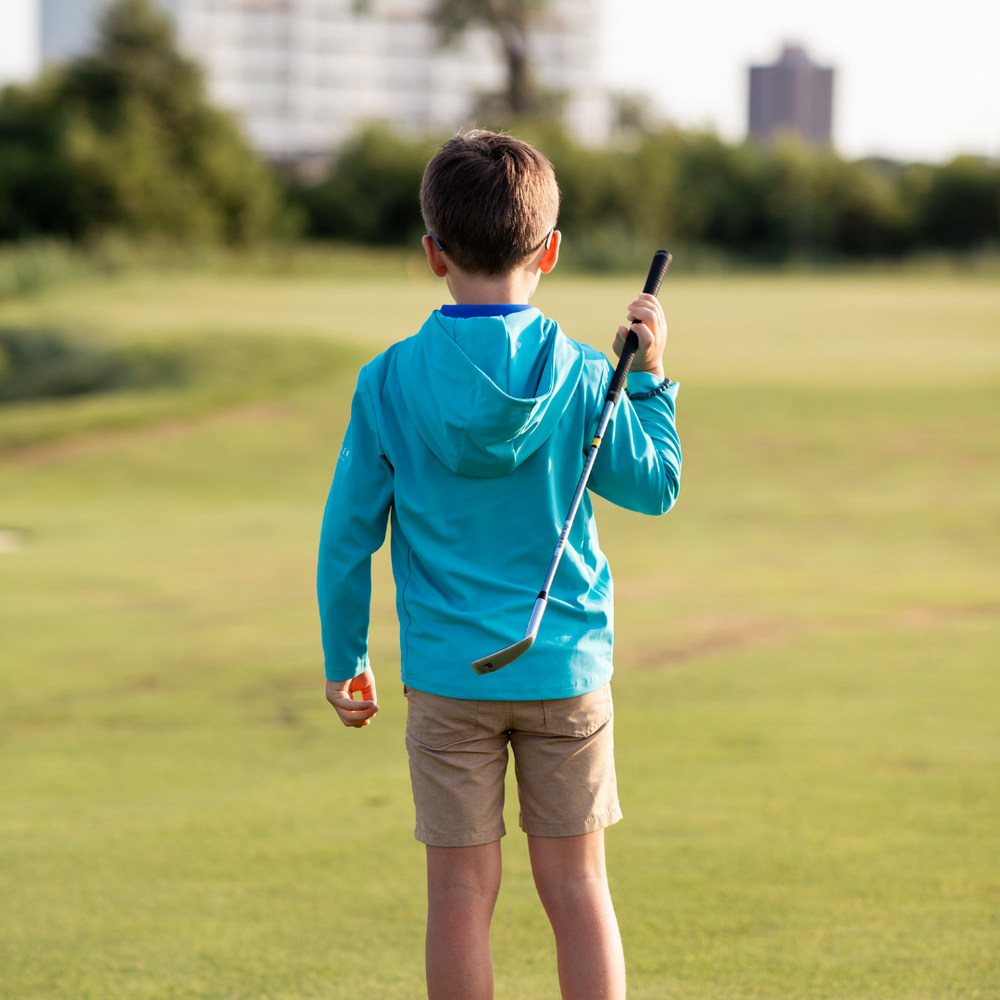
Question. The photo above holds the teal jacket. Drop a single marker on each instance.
(470, 438)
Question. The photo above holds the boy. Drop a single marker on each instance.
(471, 437)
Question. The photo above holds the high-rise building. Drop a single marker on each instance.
(793, 96)
(304, 74)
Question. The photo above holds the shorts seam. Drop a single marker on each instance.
(570, 828)
(474, 839)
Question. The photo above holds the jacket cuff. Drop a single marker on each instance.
(343, 672)
(642, 381)
(647, 386)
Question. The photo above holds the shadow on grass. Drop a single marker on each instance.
(55, 387)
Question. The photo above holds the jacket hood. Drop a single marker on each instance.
(484, 392)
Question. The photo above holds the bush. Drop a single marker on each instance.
(373, 193)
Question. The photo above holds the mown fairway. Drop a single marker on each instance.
(808, 693)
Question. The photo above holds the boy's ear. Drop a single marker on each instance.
(551, 254)
(435, 259)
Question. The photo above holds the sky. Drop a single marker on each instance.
(915, 79)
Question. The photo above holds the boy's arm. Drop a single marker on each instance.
(354, 525)
(639, 464)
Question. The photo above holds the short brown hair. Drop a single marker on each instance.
(490, 199)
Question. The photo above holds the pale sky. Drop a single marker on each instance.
(915, 79)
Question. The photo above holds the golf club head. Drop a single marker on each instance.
(510, 653)
(503, 656)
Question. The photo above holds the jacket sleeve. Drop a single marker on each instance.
(639, 464)
(354, 526)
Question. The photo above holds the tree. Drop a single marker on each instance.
(125, 139)
(372, 194)
(510, 19)
(961, 207)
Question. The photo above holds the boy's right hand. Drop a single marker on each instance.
(648, 323)
(353, 713)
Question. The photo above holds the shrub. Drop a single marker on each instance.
(373, 193)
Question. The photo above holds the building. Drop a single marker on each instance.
(793, 96)
(20, 48)
(303, 75)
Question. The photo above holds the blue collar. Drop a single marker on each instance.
(467, 312)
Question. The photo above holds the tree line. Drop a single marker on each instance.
(124, 140)
(767, 203)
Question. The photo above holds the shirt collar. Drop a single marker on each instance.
(467, 312)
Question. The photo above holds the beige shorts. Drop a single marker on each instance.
(563, 760)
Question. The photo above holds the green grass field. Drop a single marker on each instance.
(808, 693)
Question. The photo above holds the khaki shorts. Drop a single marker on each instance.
(563, 760)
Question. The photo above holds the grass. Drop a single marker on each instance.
(807, 686)
(784, 330)
(186, 376)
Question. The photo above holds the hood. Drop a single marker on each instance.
(484, 392)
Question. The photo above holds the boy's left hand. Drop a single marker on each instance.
(650, 326)
(353, 713)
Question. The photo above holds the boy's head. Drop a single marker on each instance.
(490, 199)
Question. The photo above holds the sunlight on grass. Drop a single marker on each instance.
(782, 329)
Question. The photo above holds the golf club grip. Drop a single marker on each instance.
(657, 270)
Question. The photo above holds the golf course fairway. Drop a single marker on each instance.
(807, 685)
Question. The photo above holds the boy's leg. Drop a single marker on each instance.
(462, 887)
(458, 758)
(572, 884)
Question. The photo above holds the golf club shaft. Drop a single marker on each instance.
(661, 261)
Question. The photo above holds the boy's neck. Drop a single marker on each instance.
(514, 288)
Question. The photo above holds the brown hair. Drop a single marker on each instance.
(490, 199)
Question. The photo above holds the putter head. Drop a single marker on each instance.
(503, 656)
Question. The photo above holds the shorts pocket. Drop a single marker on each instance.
(581, 716)
(435, 721)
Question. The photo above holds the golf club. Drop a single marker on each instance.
(661, 261)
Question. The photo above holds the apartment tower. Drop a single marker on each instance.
(794, 96)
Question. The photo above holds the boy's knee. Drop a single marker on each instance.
(569, 870)
(464, 873)
(575, 893)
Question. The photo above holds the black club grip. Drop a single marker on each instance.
(657, 270)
